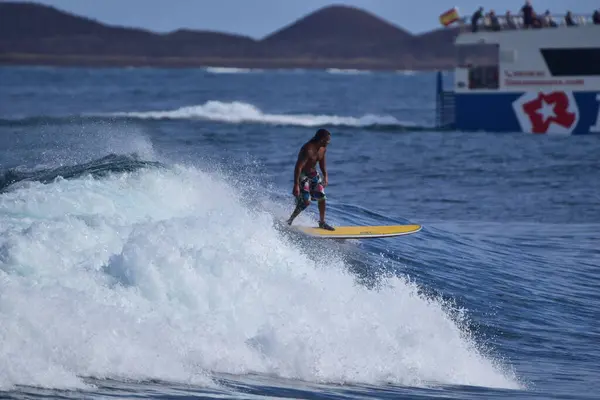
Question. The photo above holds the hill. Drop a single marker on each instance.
(33, 29)
(332, 37)
(340, 32)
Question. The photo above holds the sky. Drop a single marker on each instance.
(258, 18)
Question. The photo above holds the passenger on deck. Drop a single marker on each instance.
(547, 21)
(477, 15)
(538, 21)
(596, 17)
(494, 23)
(528, 15)
(569, 19)
(510, 21)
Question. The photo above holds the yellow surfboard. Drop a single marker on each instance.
(360, 232)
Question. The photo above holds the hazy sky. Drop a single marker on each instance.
(257, 18)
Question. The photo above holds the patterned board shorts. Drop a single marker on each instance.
(311, 188)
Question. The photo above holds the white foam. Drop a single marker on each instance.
(166, 274)
(240, 112)
(406, 72)
(230, 70)
(347, 71)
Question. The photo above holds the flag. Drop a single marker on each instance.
(449, 17)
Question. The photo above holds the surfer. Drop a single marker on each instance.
(308, 184)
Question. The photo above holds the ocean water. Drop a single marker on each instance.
(141, 253)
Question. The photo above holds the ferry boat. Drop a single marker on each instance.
(540, 80)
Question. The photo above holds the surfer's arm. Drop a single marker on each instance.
(302, 158)
(323, 166)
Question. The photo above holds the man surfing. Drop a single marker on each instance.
(307, 181)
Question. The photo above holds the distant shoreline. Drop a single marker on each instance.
(197, 62)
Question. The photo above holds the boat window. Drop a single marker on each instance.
(572, 61)
(484, 77)
(481, 60)
(468, 55)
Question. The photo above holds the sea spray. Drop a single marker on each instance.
(165, 273)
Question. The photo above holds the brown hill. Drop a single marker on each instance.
(340, 32)
(335, 36)
(38, 29)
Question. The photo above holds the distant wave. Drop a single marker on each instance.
(233, 70)
(239, 112)
(231, 112)
(406, 72)
(347, 71)
(228, 70)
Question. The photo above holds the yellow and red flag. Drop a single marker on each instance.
(449, 16)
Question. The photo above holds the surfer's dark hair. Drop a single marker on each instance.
(321, 134)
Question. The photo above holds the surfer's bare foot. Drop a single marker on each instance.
(325, 225)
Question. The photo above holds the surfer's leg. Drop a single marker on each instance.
(322, 210)
(318, 193)
(302, 201)
(299, 208)
(322, 223)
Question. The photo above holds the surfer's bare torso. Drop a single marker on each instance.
(311, 154)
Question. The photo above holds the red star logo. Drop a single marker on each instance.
(554, 109)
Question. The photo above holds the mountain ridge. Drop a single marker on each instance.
(335, 36)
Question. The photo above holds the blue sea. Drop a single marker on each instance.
(142, 253)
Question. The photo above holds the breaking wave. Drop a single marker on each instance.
(229, 70)
(348, 71)
(137, 273)
(239, 112)
(234, 113)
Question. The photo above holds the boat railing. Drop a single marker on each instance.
(485, 24)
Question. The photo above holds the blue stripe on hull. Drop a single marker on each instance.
(495, 112)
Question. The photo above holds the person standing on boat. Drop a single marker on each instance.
(527, 11)
(477, 15)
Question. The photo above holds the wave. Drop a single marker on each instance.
(347, 71)
(234, 113)
(240, 112)
(229, 70)
(166, 273)
(232, 70)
